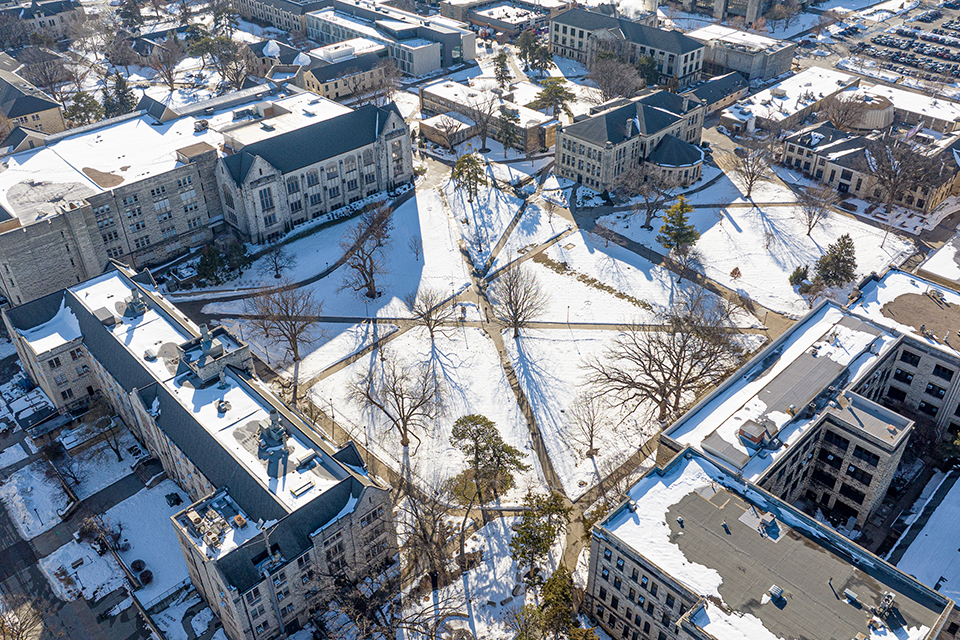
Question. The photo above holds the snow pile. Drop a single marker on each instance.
(731, 626)
(145, 517)
(32, 500)
(170, 620)
(646, 529)
(12, 455)
(75, 570)
(201, 621)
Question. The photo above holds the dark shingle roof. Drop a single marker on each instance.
(314, 143)
(291, 535)
(20, 98)
(663, 39)
(674, 152)
(41, 9)
(324, 71)
(611, 126)
(718, 88)
(285, 55)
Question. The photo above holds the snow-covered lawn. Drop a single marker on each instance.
(766, 244)
(475, 383)
(101, 467)
(12, 455)
(170, 620)
(440, 263)
(536, 226)
(145, 517)
(483, 221)
(76, 571)
(549, 366)
(32, 500)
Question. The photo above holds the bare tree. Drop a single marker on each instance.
(407, 396)
(385, 83)
(416, 246)
(448, 127)
(166, 56)
(120, 53)
(364, 246)
(286, 316)
(659, 373)
(73, 471)
(654, 187)
(276, 261)
(484, 109)
(815, 204)
(614, 78)
(22, 618)
(430, 310)
(46, 71)
(519, 298)
(845, 112)
(587, 419)
(751, 164)
(423, 522)
(101, 418)
(237, 66)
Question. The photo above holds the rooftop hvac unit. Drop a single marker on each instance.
(775, 592)
(239, 521)
(211, 539)
(194, 518)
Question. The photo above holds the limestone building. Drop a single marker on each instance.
(275, 508)
(54, 18)
(659, 128)
(753, 56)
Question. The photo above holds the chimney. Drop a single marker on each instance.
(629, 127)
(205, 342)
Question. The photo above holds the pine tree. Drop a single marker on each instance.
(468, 174)
(109, 104)
(83, 109)
(554, 95)
(501, 69)
(545, 518)
(526, 43)
(557, 607)
(129, 13)
(838, 265)
(509, 135)
(123, 97)
(677, 234)
(492, 460)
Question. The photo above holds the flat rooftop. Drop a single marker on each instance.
(34, 184)
(906, 302)
(509, 12)
(775, 387)
(944, 263)
(791, 95)
(232, 413)
(924, 106)
(764, 543)
(465, 95)
(752, 41)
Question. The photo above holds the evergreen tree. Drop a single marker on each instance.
(129, 14)
(677, 234)
(123, 97)
(468, 174)
(526, 43)
(492, 460)
(647, 67)
(83, 109)
(545, 518)
(109, 104)
(838, 265)
(541, 58)
(501, 69)
(557, 604)
(555, 96)
(211, 265)
(509, 134)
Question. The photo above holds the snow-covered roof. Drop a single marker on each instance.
(509, 12)
(906, 303)
(917, 103)
(944, 263)
(775, 387)
(735, 37)
(786, 98)
(464, 95)
(729, 543)
(56, 332)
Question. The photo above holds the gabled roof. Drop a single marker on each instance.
(324, 71)
(718, 88)
(663, 39)
(20, 98)
(275, 50)
(314, 143)
(41, 9)
(674, 152)
(643, 116)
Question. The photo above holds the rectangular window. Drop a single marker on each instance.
(266, 199)
(158, 192)
(603, 594)
(896, 394)
(860, 475)
(910, 358)
(315, 199)
(929, 409)
(53, 363)
(293, 185)
(836, 440)
(186, 181)
(935, 391)
(849, 492)
(270, 220)
(161, 205)
(141, 242)
(66, 394)
(605, 573)
(333, 192)
(60, 379)
(670, 601)
(313, 179)
(903, 376)
(134, 199)
(943, 372)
